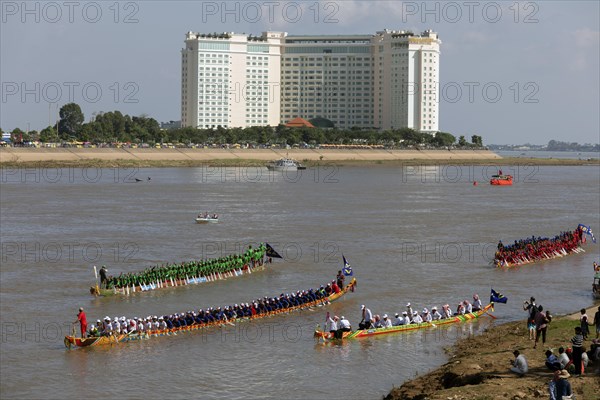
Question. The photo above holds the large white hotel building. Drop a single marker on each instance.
(387, 80)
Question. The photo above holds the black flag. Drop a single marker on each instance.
(271, 252)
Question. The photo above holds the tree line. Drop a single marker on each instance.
(114, 127)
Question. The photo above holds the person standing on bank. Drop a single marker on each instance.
(531, 308)
(541, 324)
(577, 344)
(583, 320)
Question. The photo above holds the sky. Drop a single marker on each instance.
(512, 72)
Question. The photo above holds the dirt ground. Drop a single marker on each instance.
(479, 367)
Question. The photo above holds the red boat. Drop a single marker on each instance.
(501, 180)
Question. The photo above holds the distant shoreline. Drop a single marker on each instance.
(119, 157)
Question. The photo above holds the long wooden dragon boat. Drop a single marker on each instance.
(328, 336)
(129, 290)
(524, 260)
(562, 245)
(71, 340)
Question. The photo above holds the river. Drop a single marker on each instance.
(423, 235)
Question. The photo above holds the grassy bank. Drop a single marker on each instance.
(479, 366)
(140, 163)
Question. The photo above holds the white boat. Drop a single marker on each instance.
(285, 164)
(205, 220)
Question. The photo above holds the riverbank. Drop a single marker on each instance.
(479, 366)
(109, 157)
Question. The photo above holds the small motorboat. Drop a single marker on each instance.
(205, 219)
(285, 164)
(501, 180)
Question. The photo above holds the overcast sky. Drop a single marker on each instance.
(513, 72)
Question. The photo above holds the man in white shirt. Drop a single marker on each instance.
(477, 305)
(416, 318)
(366, 318)
(344, 327)
(116, 326)
(398, 320)
(436, 316)
(519, 364)
(387, 322)
(426, 316)
(563, 358)
(332, 322)
(468, 307)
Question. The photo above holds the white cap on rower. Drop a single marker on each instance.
(362, 307)
(408, 305)
(385, 316)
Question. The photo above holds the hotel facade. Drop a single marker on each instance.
(388, 80)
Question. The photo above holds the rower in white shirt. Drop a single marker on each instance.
(426, 315)
(398, 320)
(447, 312)
(332, 322)
(409, 310)
(468, 307)
(345, 324)
(436, 316)
(387, 322)
(416, 318)
(116, 326)
(477, 303)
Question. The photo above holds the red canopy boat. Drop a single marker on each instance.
(501, 180)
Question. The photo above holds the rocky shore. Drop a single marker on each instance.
(478, 368)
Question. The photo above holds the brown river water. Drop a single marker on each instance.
(423, 235)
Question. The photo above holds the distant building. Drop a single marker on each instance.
(386, 80)
(230, 80)
(170, 125)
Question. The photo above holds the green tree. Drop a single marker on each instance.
(462, 141)
(477, 140)
(71, 119)
(48, 134)
(444, 139)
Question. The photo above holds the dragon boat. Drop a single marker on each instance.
(72, 341)
(185, 273)
(127, 290)
(328, 336)
(524, 260)
(532, 250)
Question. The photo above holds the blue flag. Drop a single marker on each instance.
(496, 297)
(347, 268)
(587, 230)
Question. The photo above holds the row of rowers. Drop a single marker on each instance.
(210, 315)
(407, 317)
